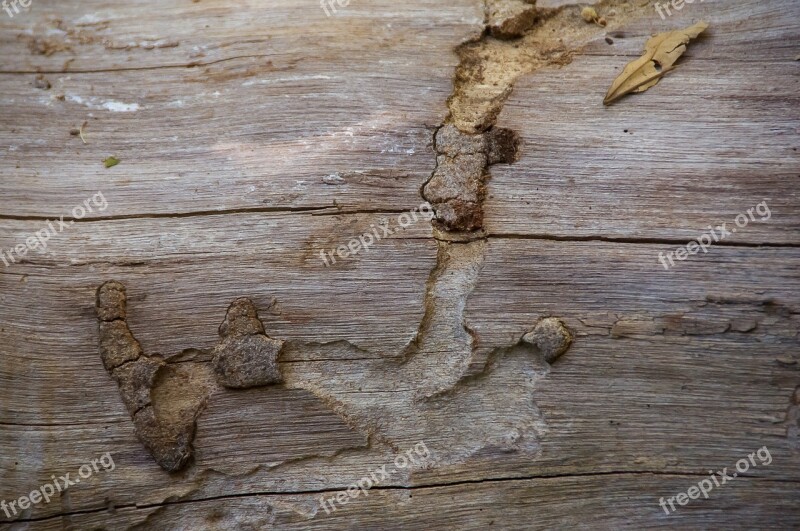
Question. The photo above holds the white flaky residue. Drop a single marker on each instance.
(117, 106)
(110, 105)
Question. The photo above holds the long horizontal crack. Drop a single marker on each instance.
(62, 425)
(398, 487)
(157, 215)
(330, 210)
(641, 241)
(611, 239)
(193, 64)
(788, 60)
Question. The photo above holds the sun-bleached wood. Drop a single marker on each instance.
(253, 136)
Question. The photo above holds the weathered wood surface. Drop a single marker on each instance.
(264, 133)
(279, 98)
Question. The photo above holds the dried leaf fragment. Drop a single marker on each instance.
(660, 54)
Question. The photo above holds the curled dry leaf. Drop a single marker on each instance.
(660, 54)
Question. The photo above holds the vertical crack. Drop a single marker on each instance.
(518, 38)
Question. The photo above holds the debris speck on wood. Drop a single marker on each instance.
(111, 161)
(41, 82)
(589, 14)
(551, 337)
(333, 179)
(660, 54)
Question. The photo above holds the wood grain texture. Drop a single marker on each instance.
(704, 145)
(611, 502)
(253, 135)
(252, 110)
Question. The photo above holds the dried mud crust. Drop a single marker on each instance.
(518, 39)
(441, 363)
(551, 337)
(163, 400)
(245, 357)
(457, 188)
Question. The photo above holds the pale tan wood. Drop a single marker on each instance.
(275, 105)
(707, 143)
(97, 34)
(616, 501)
(652, 166)
(596, 397)
(322, 127)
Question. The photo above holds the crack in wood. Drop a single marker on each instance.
(518, 38)
(165, 399)
(421, 486)
(439, 370)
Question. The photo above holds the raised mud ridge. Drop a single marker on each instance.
(440, 373)
(244, 357)
(518, 38)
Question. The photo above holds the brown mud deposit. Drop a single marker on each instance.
(165, 397)
(518, 39)
(444, 371)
